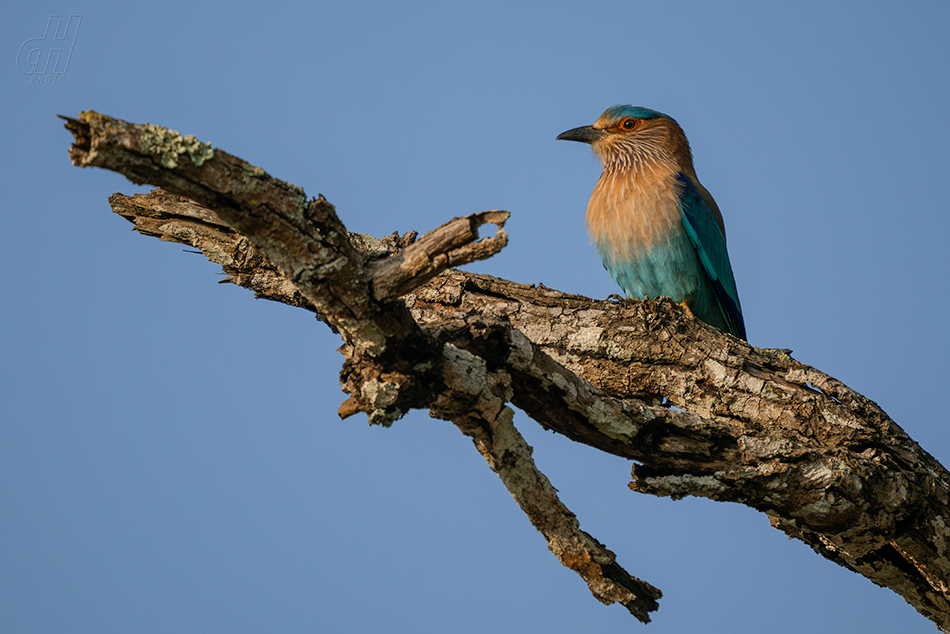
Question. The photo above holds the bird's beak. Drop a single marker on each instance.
(584, 134)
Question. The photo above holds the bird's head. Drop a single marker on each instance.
(626, 137)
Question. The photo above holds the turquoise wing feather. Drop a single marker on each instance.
(704, 233)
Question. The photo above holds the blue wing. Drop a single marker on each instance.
(703, 231)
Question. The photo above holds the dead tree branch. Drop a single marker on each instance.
(702, 413)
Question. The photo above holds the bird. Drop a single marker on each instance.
(657, 230)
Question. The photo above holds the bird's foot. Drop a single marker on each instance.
(685, 307)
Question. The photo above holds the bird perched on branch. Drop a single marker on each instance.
(656, 228)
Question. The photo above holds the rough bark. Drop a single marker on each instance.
(700, 412)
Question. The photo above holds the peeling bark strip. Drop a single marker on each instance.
(751, 425)
(452, 244)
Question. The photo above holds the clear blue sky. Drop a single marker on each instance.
(170, 455)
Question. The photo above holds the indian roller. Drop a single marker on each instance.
(656, 228)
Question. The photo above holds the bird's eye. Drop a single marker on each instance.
(628, 124)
